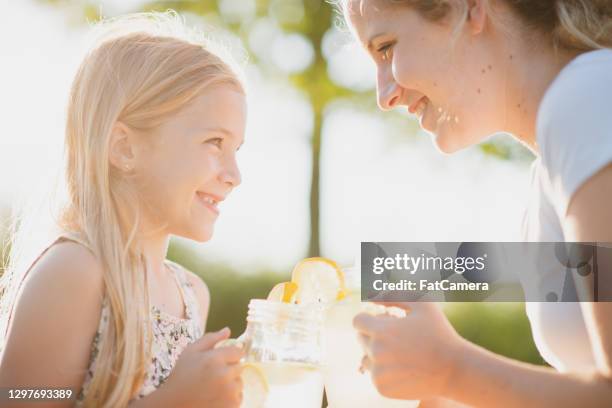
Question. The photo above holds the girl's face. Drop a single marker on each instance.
(452, 81)
(187, 166)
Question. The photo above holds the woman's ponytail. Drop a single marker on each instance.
(572, 24)
(583, 24)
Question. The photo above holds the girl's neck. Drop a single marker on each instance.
(154, 249)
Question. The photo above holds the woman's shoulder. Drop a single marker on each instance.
(576, 102)
(574, 125)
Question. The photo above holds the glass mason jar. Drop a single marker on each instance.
(345, 385)
(284, 341)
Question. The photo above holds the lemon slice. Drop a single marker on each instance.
(283, 292)
(255, 387)
(318, 280)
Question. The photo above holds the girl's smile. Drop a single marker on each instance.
(209, 201)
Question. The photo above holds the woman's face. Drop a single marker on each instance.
(452, 81)
(188, 166)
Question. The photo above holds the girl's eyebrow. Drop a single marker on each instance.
(223, 130)
(373, 38)
(219, 130)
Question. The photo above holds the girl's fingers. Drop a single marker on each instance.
(234, 370)
(208, 341)
(230, 354)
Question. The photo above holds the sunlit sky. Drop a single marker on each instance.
(375, 187)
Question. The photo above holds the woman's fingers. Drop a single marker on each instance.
(368, 324)
(407, 306)
(363, 340)
(366, 364)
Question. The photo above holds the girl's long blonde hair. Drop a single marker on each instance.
(143, 68)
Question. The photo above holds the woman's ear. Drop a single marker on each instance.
(121, 149)
(476, 15)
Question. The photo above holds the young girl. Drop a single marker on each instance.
(541, 71)
(154, 122)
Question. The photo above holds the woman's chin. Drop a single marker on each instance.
(443, 136)
(451, 139)
(447, 144)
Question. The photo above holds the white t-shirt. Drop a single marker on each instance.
(574, 135)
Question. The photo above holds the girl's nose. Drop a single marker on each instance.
(231, 174)
(389, 94)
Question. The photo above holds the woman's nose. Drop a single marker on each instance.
(388, 93)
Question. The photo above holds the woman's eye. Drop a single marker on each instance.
(385, 51)
(217, 141)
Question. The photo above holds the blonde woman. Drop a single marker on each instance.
(154, 122)
(541, 71)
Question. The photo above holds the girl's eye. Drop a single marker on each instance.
(385, 51)
(217, 141)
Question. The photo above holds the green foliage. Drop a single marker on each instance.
(500, 327)
(506, 148)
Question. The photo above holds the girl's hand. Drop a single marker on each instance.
(412, 357)
(207, 377)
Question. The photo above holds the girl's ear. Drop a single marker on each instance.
(121, 149)
(476, 15)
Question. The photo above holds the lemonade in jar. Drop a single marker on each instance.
(345, 385)
(282, 344)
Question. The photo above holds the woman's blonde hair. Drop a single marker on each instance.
(142, 69)
(570, 24)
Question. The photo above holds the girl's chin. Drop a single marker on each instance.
(198, 232)
(202, 236)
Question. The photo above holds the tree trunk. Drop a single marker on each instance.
(314, 247)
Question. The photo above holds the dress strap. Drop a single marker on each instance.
(191, 301)
(75, 237)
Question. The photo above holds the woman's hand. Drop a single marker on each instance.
(412, 357)
(205, 376)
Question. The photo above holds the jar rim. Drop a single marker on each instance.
(297, 314)
(285, 305)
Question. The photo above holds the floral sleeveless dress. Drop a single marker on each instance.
(171, 334)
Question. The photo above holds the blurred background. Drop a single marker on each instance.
(322, 168)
